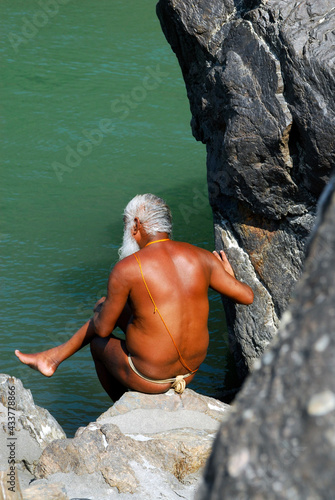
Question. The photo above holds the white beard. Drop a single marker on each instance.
(129, 245)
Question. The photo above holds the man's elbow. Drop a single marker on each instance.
(249, 298)
(103, 333)
(246, 296)
(100, 329)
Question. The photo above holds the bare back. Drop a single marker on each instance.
(178, 282)
(178, 276)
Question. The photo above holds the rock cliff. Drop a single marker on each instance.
(279, 441)
(260, 81)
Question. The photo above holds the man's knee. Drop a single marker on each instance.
(98, 345)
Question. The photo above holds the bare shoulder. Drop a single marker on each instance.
(190, 256)
(123, 270)
(188, 248)
(203, 256)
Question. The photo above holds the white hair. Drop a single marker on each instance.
(153, 213)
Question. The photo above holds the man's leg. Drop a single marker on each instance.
(109, 356)
(115, 374)
(48, 361)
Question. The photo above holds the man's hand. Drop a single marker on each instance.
(223, 281)
(98, 305)
(225, 262)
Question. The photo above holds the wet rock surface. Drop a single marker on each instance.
(279, 440)
(260, 81)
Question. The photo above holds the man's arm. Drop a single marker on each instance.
(223, 280)
(108, 311)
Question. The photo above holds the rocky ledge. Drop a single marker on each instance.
(144, 446)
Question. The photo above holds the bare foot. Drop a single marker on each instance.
(43, 362)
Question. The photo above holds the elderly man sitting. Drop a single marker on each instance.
(158, 295)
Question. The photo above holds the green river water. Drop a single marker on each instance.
(93, 111)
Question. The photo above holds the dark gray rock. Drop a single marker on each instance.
(279, 441)
(260, 80)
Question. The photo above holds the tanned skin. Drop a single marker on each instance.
(178, 276)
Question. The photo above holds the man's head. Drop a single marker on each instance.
(153, 214)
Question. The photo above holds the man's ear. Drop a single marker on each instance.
(136, 226)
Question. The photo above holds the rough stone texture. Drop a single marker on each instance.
(279, 441)
(34, 429)
(144, 446)
(5, 492)
(260, 80)
(46, 491)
